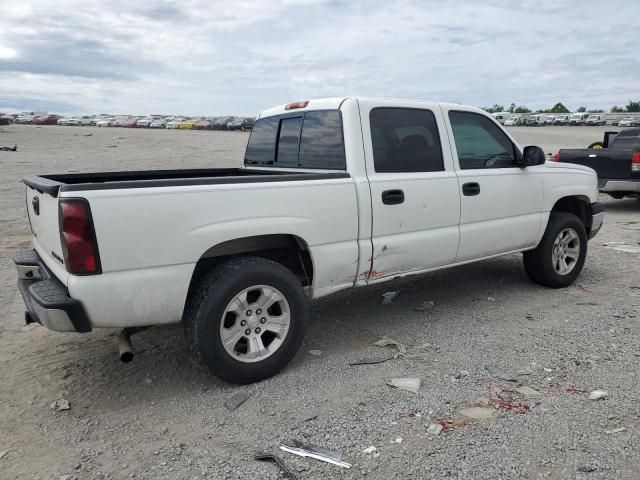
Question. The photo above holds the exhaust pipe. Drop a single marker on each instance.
(125, 349)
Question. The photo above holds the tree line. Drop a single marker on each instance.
(560, 108)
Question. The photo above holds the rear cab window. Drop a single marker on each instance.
(312, 139)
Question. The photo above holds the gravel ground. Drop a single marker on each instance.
(162, 416)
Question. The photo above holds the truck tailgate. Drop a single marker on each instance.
(43, 217)
(608, 164)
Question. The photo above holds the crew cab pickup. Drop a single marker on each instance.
(616, 161)
(334, 194)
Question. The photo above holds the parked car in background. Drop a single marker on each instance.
(511, 121)
(535, 120)
(104, 122)
(131, 122)
(628, 122)
(188, 124)
(596, 119)
(561, 120)
(73, 121)
(235, 124)
(6, 119)
(175, 122)
(158, 123)
(577, 119)
(47, 120)
(616, 160)
(220, 123)
(501, 117)
(25, 119)
(548, 120)
(247, 124)
(86, 121)
(64, 121)
(144, 122)
(202, 125)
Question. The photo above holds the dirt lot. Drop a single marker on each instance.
(162, 416)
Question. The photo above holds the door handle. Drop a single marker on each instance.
(470, 189)
(392, 197)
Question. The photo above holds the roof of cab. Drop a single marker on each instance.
(334, 103)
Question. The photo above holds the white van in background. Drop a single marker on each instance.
(596, 119)
(501, 117)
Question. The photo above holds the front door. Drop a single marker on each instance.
(414, 189)
(501, 203)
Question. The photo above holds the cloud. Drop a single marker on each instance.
(238, 57)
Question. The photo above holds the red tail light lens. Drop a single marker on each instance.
(556, 157)
(635, 162)
(78, 237)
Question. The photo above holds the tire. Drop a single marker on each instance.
(540, 263)
(209, 313)
(617, 196)
(596, 145)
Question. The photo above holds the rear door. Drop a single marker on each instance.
(501, 203)
(414, 189)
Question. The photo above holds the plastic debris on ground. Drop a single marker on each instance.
(435, 429)
(60, 405)
(509, 406)
(390, 342)
(388, 297)
(236, 400)
(425, 306)
(325, 455)
(622, 247)
(3, 453)
(369, 361)
(274, 458)
(598, 395)
(477, 413)
(409, 384)
(500, 373)
(524, 371)
(449, 424)
(613, 430)
(369, 450)
(315, 353)
(396, 440)
(528, 391)
(574, 389)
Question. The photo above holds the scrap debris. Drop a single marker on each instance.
(622, 247)
(369, 361)
(452, 424)
(435, 429)
(500, 373)
(388, 297)
(369, 450)
(3, 453)
(60, 405)
(386, 342)
(477, 413)
(574, 389)
(9, 149)
(325, 455)
(315, 353)
(615, 430)
(598, 395)
(274, 458)
(528, 391)
(409, 384)
(236, 400)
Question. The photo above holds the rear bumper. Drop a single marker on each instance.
(47, 300)
(619, 186)
(597, 219)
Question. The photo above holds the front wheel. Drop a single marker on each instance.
(558, 260)
(246, 320)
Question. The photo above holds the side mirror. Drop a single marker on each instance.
(532, 156)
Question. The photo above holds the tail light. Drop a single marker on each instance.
(635, 162)
(293, 106)
(78, 237)
(556, 157)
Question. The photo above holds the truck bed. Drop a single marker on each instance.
(52, 184)
(609, 164)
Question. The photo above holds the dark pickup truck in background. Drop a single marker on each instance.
(616, 160)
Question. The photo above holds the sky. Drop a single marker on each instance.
(214, 57)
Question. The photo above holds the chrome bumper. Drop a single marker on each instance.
(620, 186)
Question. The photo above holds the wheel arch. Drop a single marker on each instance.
(291, 251)
(579, 205)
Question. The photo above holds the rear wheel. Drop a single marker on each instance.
(558, 259)
(596, 145)
(246, 319)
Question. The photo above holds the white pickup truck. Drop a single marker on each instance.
(334, 194)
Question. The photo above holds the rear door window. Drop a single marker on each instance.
(288, 142)
(322, 144)
(405, 140)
